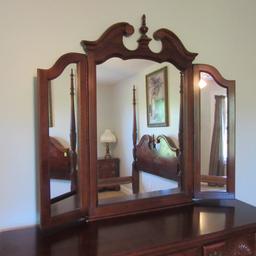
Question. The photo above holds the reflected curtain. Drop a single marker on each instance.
(217, 161)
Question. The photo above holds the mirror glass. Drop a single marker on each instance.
(154, 90)
(63, 141)
(213, 136)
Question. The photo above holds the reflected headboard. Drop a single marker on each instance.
(158, 156)
(59, 161)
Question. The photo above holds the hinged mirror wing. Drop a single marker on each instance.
(214, 139)
(63, 133)
(121, 182)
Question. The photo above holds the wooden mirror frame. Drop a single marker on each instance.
(44, 76)
(109, 45)
(230, 181)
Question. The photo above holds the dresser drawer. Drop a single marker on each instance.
(107, 165)
(217, 249)
(108, 168)
(106, 173)
(192, 252)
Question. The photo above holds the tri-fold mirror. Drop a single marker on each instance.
(126, 131)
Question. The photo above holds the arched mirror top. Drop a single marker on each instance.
(137, 177)
(110, 44)
(214, 73)
(59, 66)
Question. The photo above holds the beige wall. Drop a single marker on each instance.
(35, 33)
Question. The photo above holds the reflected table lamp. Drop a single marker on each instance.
(107, 137)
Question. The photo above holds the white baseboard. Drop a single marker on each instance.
(17, 228)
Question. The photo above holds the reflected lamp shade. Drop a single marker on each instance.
(107, 137)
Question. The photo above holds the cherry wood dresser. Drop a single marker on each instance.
(206, 228)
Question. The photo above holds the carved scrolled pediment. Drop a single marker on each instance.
(110, 44)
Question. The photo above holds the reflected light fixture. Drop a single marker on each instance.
(107, 137)
(202, 83)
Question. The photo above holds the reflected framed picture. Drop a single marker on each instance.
(157, 98)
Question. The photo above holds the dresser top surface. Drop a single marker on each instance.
(142, 233)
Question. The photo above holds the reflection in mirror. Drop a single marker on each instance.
(133, 160)
(214, 219)
(214, 138)
(62, 141)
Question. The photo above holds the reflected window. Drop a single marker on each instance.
(213, 116)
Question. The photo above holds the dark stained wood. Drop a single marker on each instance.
(186, 131)
(135, 172)
(109, 45)
(180, 134)
(144, 39)
(43, 78)
(218, 180)
(110, 182)
(108, 169)
(59, 162)
(230, 86)
(173, 232)
(148, 159)
(72, 151)
(147, 195)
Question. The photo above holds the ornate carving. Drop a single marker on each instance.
(110, 44)
(150, 160)
(144, 39)
(242, 247)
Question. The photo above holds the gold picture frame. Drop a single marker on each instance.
(157, 98)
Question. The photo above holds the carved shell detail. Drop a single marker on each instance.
(241, 249)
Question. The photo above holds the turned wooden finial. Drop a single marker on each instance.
(144, 39)
(143, 28)
(134, 92)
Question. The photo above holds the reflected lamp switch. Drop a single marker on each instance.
(107, 137)
(202, 83)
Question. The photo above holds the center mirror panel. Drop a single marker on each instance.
(138, 112)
